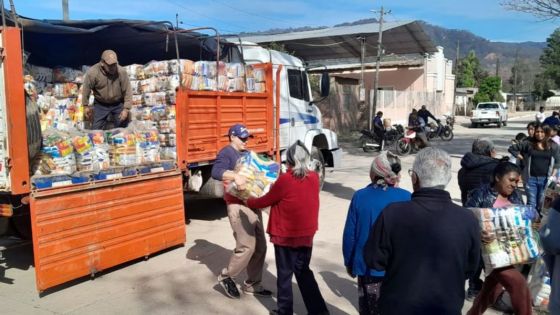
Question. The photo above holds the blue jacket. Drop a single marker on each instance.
(366, 205)
(484, 197)
(550, 238)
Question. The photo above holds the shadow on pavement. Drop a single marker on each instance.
(16, 254)
(206, 209)
(339, 190)
(342, 287)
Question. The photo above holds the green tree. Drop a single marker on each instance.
(489, 91)
(550, 59)
(519, 77)
(470, 72)
(542, 87)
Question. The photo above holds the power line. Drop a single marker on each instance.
(190, 9)
(253, 14)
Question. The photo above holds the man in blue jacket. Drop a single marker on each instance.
(365, 207)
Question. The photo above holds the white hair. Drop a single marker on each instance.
(433, 168)
(298, 158)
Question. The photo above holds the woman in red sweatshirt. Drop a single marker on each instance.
(294, 214)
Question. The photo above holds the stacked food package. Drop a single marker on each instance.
(260, 174)
(539, 285)
(70, 149)
(515, 241)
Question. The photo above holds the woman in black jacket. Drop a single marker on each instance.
(501, 193)
(541, 158)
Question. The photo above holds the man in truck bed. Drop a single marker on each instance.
(111, 89)
(248, 230)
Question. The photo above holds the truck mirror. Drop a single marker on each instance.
(325, 84)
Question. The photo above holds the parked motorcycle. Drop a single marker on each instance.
(439, 130)
(450, 120)
(369, 141)
(406, 142)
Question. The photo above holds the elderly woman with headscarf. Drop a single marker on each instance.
(294, 219)
(367, 203)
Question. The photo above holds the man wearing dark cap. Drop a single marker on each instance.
(111, 91)
(248, 231)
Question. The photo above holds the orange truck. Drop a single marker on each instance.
(81, 229)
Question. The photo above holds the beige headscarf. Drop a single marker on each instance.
(381, 173)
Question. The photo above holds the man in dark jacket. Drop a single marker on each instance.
(428, 247)
(477, 167)
(424, 113)
(553, 120)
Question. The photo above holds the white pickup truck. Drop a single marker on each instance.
(489, 113)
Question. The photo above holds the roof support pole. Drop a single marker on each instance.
(373, 105)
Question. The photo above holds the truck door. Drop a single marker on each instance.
(299, 98)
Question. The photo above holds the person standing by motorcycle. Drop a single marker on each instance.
(378, 127)
(417, 123)
(425, 114)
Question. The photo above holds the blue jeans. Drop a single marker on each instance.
(535, 191)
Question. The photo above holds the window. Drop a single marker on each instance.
(298, 84)
(488, 106)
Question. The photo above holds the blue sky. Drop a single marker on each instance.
(485, 18)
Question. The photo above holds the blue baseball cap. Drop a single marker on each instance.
(239, 131)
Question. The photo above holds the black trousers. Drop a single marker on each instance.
(101, 115)
(295, 261)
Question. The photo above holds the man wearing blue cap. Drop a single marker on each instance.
(248, 231)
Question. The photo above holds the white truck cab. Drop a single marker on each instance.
(300, 118)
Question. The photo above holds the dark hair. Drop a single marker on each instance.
(545, 142)
(541, 108)
(520, 137)
(531, 124)
(504, 168)
(379, 113)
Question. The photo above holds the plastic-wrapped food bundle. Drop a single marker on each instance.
(137, 100)
(168, 153)
(46, 102)
(79, 99)
(187, 66)
(156, 68)
(42, 74)
(135, 86)
(166, 126)
(171, 112)
(259, 74)
(236, 85)
(147, 146)
(200, 83)
(250, 85)
(539, 285)
(158, 112)
(516, 242)
(135, 72)
(235, 70)
(260, 87)
(205, 68)
(84, 152)
(65, 90)
(58, 147)
(122, 144)
(167, 139)
(67, 75)
(153, 99)
(260, 174)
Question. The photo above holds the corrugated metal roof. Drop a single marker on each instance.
(343, 42)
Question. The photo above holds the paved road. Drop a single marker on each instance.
(183, 280)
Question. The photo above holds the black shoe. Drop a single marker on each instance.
(256, 290)
(229, 287)
(471, 294)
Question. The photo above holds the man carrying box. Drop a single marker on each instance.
(248, 230)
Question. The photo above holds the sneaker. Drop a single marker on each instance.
(229, 287)
(256, 290)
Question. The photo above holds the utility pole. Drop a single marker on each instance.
(456, 67)
(373, 105)
(362, 93)
(65, 16)
(515, 66)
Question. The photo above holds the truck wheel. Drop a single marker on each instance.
(318, 165)
(499, 124)
(504, 123)
(22, 223)
(474, 125)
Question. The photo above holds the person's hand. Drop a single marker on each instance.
(552, 178)
(519, 156)
(487, 237)
(124, 115)
(240, 182)
(88, 112)
(349, 271)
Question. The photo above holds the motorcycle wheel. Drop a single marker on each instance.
(363, 144)
(447, 134)
(391, 137)
(403, 147)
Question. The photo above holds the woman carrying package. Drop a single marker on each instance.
(294, 216)
(541, 158)
(502, 192)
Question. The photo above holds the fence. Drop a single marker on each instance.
(397, 105)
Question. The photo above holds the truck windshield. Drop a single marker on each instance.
(298, 84)
(488, 106)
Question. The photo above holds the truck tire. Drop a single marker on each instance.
(499, 124)
(504, 123)
(318, 163)
(474, 125)
(21, 222)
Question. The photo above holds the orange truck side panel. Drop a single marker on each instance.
(204, 118)
(82, 230)
(16, 113)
